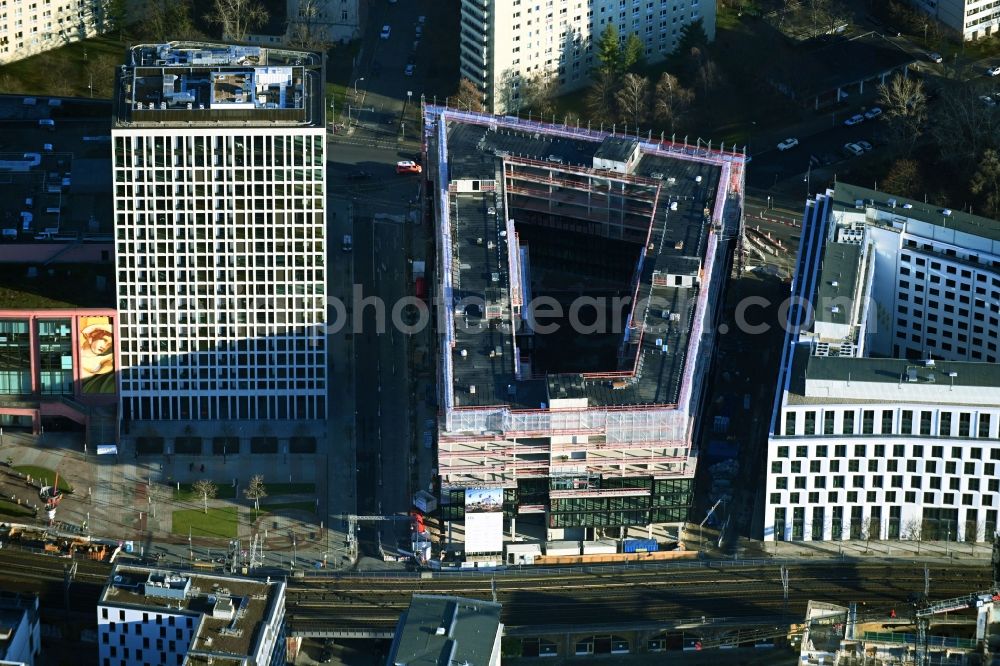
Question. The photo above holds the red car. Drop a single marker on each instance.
(408, 166)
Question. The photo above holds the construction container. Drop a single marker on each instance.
(640, 546)
(522, 553)
(601, 547)
(553, 548)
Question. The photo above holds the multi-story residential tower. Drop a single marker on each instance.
(158, 616)
(505, 43)
(887, 410)
(28, 27)
(579, 275)
(219, 167)
(971, 19)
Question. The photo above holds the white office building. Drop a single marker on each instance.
(151, 616)
(887, 415)
(220, 212)
(505, 43)
(20, 633)
(29, 27)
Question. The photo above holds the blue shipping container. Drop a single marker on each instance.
(640, 546)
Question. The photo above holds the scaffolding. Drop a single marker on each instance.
(498, 444)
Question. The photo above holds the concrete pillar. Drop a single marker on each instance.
(513, 531)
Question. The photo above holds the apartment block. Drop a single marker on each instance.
(505, 43)
(28, 27)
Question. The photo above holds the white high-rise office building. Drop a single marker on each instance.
(219, 167)
(505, 43)
(887, 416)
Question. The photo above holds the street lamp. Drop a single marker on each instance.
(356, 85)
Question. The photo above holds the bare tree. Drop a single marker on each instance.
(237, 18)
(207, 489)
(903, 178)
(708, 75)
(468, 96)
(963, 125)
(671, 101)
(633, 99)
(255, 491)
(309, 28)
(913, 531)
(600, 100)
(986, 181)
(904, 103)
(538, 93)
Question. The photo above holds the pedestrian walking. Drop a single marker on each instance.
(203, 467)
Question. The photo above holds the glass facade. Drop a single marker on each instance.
(15, 357)
(55, 341)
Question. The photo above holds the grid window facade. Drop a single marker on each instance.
(220, 239)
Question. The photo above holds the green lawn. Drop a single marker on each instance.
(219, 523)
(66, 71)
(289, 506)
(49, 476)
(14, 510)
(290, 488)
(187, 494)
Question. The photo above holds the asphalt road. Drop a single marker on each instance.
(770, 165)
(383, 406)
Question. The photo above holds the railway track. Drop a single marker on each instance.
(572, 598)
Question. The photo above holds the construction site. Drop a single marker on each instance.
(578, 279)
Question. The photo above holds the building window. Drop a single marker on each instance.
(810, 423)
(984, 425)
(944, 427)
(925, 423)
(848, 425)
(886, 421)
(789, 423)
(964, 422)
(868, 422)
(906, 422)
(828, 418)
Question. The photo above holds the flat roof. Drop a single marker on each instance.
(39, 287)
(55, 180)
(616, 149)
(446, 631)
(183, 83)
(483, 354)
(188, 593)
(838, 280)
(846, 195)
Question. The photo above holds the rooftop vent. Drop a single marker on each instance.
(891, 203)
(911, 374)
(859, 203)
(835, 309)
(946, 212)
(441, 631)
(697, 179)
(834, 284)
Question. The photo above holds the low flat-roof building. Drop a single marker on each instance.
(579, 275)
(444, 631)
(887, 413)
(157, 616)
(20, 635)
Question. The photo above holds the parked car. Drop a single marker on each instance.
(935, 57)
(873, 113)
(856, 119)
(408, 71)
(348, 243)
(853, 149)
(408, 166)
(386, 31)
(788, 144)
(993, 71)
(865, 146)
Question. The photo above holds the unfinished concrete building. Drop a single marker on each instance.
(578, 277)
